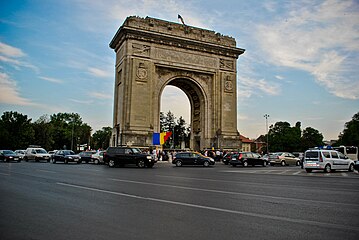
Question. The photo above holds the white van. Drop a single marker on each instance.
(327, 160)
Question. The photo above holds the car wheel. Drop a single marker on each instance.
(351, 168)
(178, 163)
(141, 164)
(327, 168)
(111, 163)
(308, 170)
(206, 164)
(245, 164)
(264, 164)
(297, 163)
(96, 161)
(282, 163)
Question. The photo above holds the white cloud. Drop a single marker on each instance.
(249, 87)
(321, 39)
(99, 72)
(99, 95)
(53, 80)
(9, 92)
(10, 51)
(86, 102)
(10, 55)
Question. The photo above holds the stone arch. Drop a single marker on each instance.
(152, 53)
(198, 99)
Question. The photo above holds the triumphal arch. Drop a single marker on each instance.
(151, 54)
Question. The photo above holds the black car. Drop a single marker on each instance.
(8, 155)
(247, 158)
(192, 158)
(120, 156)
(66, 156)
(87, 156)
(356, 165)
(227, 157)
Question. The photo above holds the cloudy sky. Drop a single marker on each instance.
(301, 61)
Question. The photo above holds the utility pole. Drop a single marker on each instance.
(266, 117)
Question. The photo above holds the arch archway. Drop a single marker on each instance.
(198, 103)
(151, 54)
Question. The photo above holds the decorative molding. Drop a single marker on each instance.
(141, 50)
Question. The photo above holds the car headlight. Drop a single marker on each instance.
(70, 157)
(10, 157)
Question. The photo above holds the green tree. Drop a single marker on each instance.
(350, 135)
(16, 131)
(283, 137)
(101, 138)
(69, 130)
(43, 132)
(311, 138)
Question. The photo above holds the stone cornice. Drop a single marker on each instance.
(176, 38)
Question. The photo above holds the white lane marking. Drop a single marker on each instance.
(47, 171)
(251, 214)
(228, 192)
(297, 173)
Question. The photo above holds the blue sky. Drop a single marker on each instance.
(301, 61)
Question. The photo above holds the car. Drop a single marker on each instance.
(123, 155)
(97, 158)
(20, 153)
(283, 158)
(66, 156)
(247, 159)
(356, 165)
(192, 158)
(86, 156)
(8, 155)
(52, 153)
(326, 160)
(227, 157)
(37, 154)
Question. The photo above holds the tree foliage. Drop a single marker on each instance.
(16, 131)
(101, 138)
(179, 129)
(350, 135)
(283, 137)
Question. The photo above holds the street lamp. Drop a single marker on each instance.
(72, 135)
(266, 117)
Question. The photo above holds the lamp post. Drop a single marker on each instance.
(266, 117)
(72, 135)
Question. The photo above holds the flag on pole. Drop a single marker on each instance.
(160, 138)
(180, 18)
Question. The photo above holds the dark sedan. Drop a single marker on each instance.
(87, 156)
(227, 157)
(247, 159)
(8, 155)
(66, 156)
(192, 158)
(356, 165)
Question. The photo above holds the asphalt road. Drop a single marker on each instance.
(70, 201)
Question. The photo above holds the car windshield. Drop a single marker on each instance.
(8, 152)
(69, 153)
(40, 151)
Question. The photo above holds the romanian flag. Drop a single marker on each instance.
(160, 138)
